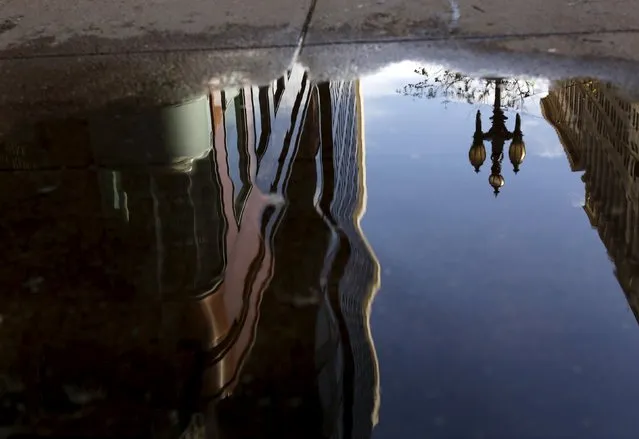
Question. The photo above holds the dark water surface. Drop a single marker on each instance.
(322, 260)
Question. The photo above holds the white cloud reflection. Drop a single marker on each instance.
(549, 151)
(389, 79)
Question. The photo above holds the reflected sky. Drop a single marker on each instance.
(497, 317)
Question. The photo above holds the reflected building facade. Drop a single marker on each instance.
(138, 241)
(599, 130)
(352, 270)
(325, 279)
(163, 242)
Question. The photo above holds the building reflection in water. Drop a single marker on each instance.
(202, 258)
(599, 130)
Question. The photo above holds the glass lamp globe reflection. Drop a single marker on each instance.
(496, 181)
(517, 153)
(517, 150)
(477, 155)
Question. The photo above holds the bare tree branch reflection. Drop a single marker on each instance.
(451, 85)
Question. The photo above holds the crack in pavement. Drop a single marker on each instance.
(304, 32)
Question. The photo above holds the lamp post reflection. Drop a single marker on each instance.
(497, 135)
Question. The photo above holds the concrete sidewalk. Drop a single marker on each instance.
(571, 27)
(69, 47)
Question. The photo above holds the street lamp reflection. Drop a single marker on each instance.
(498, 134)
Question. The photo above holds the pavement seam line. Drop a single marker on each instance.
(447, 38)
(304, 32)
